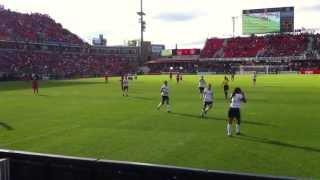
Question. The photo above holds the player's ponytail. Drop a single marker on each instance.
(236, 91)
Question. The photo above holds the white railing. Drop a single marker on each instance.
(285, 58)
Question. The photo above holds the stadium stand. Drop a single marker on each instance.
(34, 27)
(280, 52)
(58, 66)
(256, 46)
(35, 43)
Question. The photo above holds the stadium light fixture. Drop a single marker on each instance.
(234, 18)
(142, 22)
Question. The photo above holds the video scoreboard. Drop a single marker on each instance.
(270, 20)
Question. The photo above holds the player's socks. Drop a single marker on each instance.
(168, 108)
(229, 129)
(238, 129)
(159, 106)
(202, 113)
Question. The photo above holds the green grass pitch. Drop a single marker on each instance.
(89, 118)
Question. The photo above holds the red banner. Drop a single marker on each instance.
(186, 52)
(304, 71)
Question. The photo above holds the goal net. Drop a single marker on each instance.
(263, 69)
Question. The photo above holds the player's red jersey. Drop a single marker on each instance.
(35, 84)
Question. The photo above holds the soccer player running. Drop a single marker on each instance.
(237, 98)
(202, 86)
(125, 84)
(164, 90)
(225, 84)
(254, 78)
(207, 100)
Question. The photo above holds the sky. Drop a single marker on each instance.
(187, 23)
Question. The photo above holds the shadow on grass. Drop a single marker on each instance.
(19, 85)
(221, 119)
(141, 98)
(277, 143)
(257, 123)
(6, 126)
(43, 95)
(195, 116)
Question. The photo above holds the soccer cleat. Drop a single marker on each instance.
(238, 133)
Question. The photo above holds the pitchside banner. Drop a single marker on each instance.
(306, 71)
(271, 20)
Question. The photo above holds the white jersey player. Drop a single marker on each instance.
(164, 90)
(207, 100)
(237, 98)
(125, 86)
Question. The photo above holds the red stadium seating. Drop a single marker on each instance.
(211, 47)
(264, 46)
(16, 26)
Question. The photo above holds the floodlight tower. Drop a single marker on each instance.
(234, 18)
(142, 22)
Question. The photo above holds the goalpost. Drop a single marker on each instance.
(243, 69)
(262, 69)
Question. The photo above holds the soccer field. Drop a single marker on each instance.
(89, 118)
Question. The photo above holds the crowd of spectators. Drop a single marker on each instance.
(61, 65)
(15, 26)
(257, 46)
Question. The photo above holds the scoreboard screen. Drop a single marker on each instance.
(271, 20)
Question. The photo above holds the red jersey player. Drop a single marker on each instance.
(106, 77)
(35, 85)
